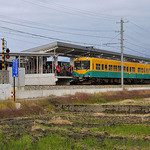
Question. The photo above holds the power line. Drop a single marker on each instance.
(137, 45)
(52, 30)
(82, 13)
(46, 37)
(16, 39)
(113, 38)
(139, 41)
(29, 36)
(140, 27)
(54, 25)
(105, 44)
(136, 51)
(79, 10)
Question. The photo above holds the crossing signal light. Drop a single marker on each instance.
(7, 53)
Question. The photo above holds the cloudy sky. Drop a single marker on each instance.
(26, 24)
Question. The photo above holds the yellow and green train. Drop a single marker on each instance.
(98, 71)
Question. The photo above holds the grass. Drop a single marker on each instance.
(36, 107)
(8, 104)
(136, 131)
(102, 98)
(20, 144)
(58, 142)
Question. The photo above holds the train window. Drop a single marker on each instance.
(124, 68)
(110, 67)
(85, 65)
(130, 69)
(115, 68)
(139, 70)
(102, 66)
(81, 65)
(127, 69)
(93, 66)
(97, 66)
(105, 67)
(133, 69)
(77, 65)
(146, 70)
(119, 68)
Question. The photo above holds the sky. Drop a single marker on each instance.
(27, 24)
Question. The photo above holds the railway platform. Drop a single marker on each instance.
(63, 80)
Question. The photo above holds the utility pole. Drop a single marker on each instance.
(122, 79)
(122, 68)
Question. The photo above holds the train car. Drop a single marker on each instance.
(100, 71)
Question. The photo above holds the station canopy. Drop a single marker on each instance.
(75, 51)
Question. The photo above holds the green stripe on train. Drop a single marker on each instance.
(103, 74)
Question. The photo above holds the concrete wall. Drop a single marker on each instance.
(5, 91)
(40, 79)
(24, 94)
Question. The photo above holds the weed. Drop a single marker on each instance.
(20, 144)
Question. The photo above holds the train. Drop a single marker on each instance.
(89, 70)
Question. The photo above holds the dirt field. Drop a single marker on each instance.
(117, 131)
(70, 127)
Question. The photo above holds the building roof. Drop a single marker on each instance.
(72, 50)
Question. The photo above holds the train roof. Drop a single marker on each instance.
(109, 60)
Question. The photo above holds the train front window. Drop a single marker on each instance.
(81, 65)
(77, 65)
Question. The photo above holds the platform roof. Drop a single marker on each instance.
(72, 50)
(27, 54)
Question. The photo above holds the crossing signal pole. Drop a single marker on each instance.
(3, 54)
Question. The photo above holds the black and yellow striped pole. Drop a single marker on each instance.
(3, 54)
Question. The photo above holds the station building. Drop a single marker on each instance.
(37, 68)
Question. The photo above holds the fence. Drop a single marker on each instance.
(4, 77)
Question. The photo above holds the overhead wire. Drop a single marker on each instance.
(78, 10)
(137, 51)
(109, 42)
(70, 13)
(133, 38)
(16, 39)
(54, 25)
(139, 26)
(137, 45)
(34, 27)
(46, 37)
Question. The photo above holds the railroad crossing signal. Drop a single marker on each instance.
(7, 53)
